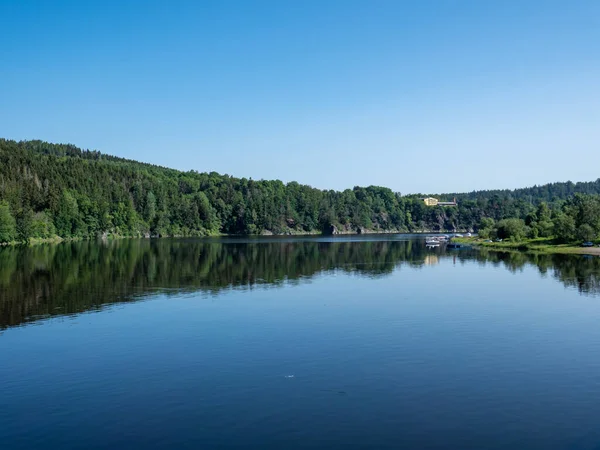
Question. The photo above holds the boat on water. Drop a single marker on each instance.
(434, 241)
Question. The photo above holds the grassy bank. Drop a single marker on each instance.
(539, 245)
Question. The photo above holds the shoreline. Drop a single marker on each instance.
(545, 246)
(115, 237)
(535, 246)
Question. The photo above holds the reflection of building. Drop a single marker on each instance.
(430, 201)
(431, 260)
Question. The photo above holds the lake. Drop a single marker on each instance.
(297, 343)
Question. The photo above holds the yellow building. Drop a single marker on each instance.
(430, 201)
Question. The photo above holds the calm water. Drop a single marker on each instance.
(348, 343)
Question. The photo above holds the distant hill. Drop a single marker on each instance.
(59, 189)
(549, 193)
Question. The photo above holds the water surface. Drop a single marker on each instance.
(364, 342)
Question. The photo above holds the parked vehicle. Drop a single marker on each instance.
(587, 244)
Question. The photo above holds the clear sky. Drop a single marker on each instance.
(420, 96)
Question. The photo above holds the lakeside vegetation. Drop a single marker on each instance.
(561, 230)
(538, 245)
(58, 191)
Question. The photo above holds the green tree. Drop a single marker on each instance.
(8, 224)
(42, 226)
(67, 216)
(514, 229)
(24, 225)
(486, 222)
(544, 228)
(486, 227)
(150, 207)
(543, 212)
(585, 232)
(564, 227)
(207, 213)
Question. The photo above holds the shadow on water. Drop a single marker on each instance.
(69, 278)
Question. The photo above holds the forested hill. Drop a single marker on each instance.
(55, 189)
(548, 193)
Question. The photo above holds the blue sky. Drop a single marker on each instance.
(420, 96)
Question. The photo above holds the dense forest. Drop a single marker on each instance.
(49, 190)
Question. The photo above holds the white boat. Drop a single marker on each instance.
(432, 242)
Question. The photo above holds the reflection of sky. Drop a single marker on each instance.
(444, 347)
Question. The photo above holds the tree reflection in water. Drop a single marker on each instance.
(73, 277)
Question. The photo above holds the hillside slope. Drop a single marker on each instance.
(55, 189)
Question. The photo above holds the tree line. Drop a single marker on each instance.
(49, 190)
(576, 219)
